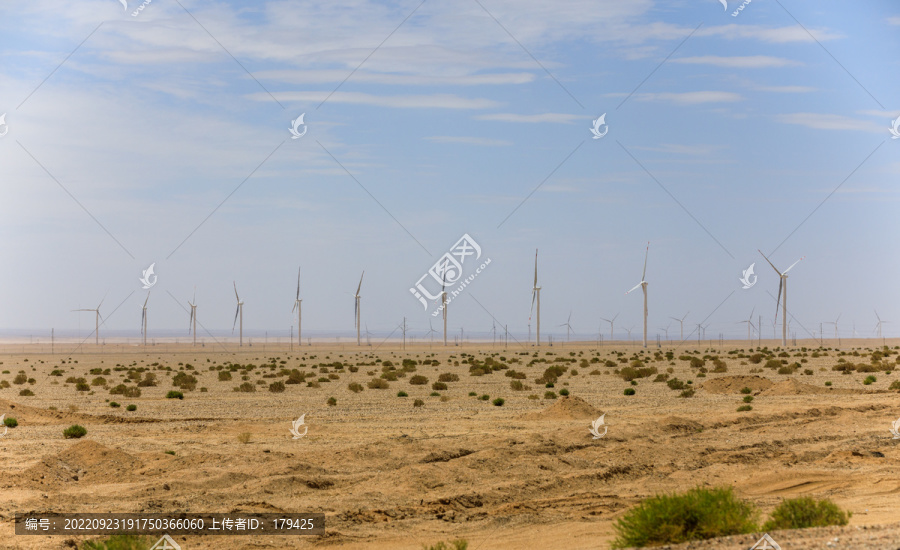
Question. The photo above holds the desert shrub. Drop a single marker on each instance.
(629, 391)
(745, 390)
(148, 381)
(697, 514)
(564, 392)
(516, 385)
(773, 364)
(485, 397)
(74, 432)
(174, 395)
(719, 365)
(418, 380)
(808, 372)
(114, 405)
(895, 385)
(21, 379)
(244, 437)
(402, 393)
(246, 387)
(82, 386)
(99, 381)
(26, 393)
(748, 398)
(448, 377)
(803, 512)
(459, 544)
(331, 401)
(498, 402)
(184, 381)
(675, 384)
(377, 384)
(10, 422)
(869, 380)
(438, 386)
(687, 393)
(696, 362)
(549, 395)
(630, 373)
(355, 387)
(418, 403)
(131, 407)
(661, 378)
(4, 384)
(224, 376)
(276, 387)
(756, 358)
(785, 369)
(390, 376)
(119, 542)
(745, 408)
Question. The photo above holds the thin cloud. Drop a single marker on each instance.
(894, 20)
(825, 121)
(780, 35)
(691, 98)
(470, 140)
(560, 118)
(432, 101)
(739, 62)
(786, 89)
(679, 149)
(334, 76)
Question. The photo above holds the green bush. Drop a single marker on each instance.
(377, 384)
(331, 401)
(355, 387)
(549, 395)
(697, 514)
(629, 391)
(803, 512)
(687, 393)
(869, 379)
(224, 376)
(418, 403)
(276, 387)
(114, 405)
(748, 398)
(402, 393)
(498, 402)
(10, 422)
(174, 395)
(744, 408)
(246, 387)
(564, 392)
(675, 384)
(895, 385)
(131, 408)
(119, 542)
(418, 380)
(448, 377)
(460, 544)
(74, 432)
(746, 390)
(439, 386)
(26, 393)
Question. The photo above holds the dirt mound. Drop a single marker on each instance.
(734, 384)
(84, 461)
(679, 425)
(566, 408)
(793, 387)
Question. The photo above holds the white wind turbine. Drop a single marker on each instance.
(612, 325)
(835, 323)
(536, 295)
(643, 286)
(356, 308)
(192, 324)
(750, 326)
(238, 312)
(96, 321)
(681, 323)
(782, 296)
(878, 325)
(568, 325)
(298, 303)
(144, 319)
(444, 304)
(432, 332)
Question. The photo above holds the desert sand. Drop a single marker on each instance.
(389, 475)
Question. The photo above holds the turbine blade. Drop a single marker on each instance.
(235, 291)
(147, 299)
(238, 310)
(770, 263)
(792, 265)
(644, 274)
(535, 267)
(637, 286)
(298, 284)
(358, 288)
(778, 301)
(752, 311)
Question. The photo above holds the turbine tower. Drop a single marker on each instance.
(782, 296)
(612, 326)
(681, 323)
(444, 304)
(536, 295)
(192, 324)
(144, 319)
(96, 321)
(835, 323)
(878, 325)
(238, 312)
(568, 325)
(750, 326)
(356, 308)
(643, 285)
(297, 305)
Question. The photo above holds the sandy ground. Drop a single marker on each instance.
(386, 474)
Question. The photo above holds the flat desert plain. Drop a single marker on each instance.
(391, 475)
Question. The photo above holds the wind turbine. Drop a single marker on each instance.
(431, 331)
(878, 325)
(356, 308)
(144, 319)
(750, 326)
(612, 326)
(444, 304)
(298, 303)
(782, 296)
(238, 312)
(835, 323)
(536, 295)
(193, 320)
(96, 321)
(667, 331)
(568, 325)
(643, 285)
(681, 323)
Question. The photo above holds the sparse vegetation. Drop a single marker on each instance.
(498, 402)
(418, 403)
(174, 395)
(378, 384)
(355, 387)
(629, 391)
(74, 432)
(744, 408)
(460, 544)
(131, 408)
(119, 542)
(10, 422)
(331, 401)
(244, 437)
(277, 387)
(800, 513)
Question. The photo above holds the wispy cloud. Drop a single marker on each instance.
(560, 118)
(894, 20)
(470, 140)
(786, 89)
(679, 149)
(740, 62)
(690, 98)
(779, 35)
(332, 76)
(430, 101)
(825, 121)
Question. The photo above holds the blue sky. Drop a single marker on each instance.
(725, 134)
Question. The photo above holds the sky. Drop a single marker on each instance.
(161, 133)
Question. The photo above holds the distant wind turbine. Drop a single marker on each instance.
(298, 303)
(568, 325)
(782, 296)
(96, 321)
(444, 304)
(643, 286)
(681, 323)
(144, 319)
(835, 323)
(536, 295)
(356, 312)
(878, 325)
(239, 312)
(750, 326)
(193, 320)
(612, 325)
